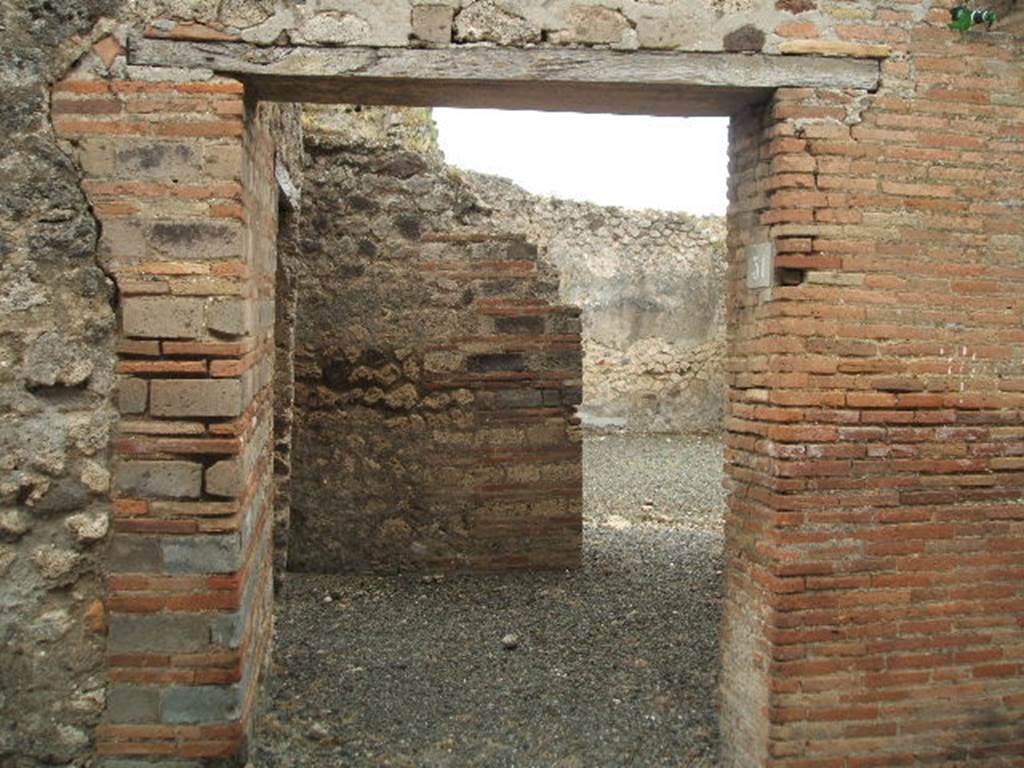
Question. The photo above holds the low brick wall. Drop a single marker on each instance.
(436, 376)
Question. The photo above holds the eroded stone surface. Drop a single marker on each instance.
(697, 26)
(487, 21)
(56, 363)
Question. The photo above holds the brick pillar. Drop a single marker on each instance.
(746, 614)
(180, 176)
(875, 605)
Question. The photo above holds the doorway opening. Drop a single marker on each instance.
(511, 668)
(198, 342)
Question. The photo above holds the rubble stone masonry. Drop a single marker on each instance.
(436, 376)
(649, 283)
(875, 598)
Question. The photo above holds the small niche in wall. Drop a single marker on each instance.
(790, 276)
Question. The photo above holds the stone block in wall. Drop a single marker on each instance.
(597, 25)
(163, 317)
(524, 325)
(157, 633)
(122, 241)
(226, 478)
(130, 241)
(196, 397)
(228, 630)
(133, 704)
(230, 476)
(486, 21)
(159, 479)
(200, 703)
(230, 316)
(202, 554)
(134, 158)
(132, 396)
(433, 23)
(65, 495)
(135, 554)
(223, 161)
(512, 398)
(192, 239)
(248, 383)
(498, 362)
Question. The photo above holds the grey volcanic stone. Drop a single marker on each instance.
(164, 317)
(159, 479)
(133, 704)
(202, 554)
(200, 704)
(66, 495)
(138, 633)
(196, 397)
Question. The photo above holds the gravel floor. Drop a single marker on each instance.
(613, 665)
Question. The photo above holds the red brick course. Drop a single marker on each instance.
(875, 525)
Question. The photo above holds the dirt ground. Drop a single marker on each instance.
(611, 665)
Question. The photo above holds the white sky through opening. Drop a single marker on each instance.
(632, 161)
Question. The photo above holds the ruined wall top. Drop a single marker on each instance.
(769, 26)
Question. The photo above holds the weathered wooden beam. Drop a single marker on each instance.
(537, 78)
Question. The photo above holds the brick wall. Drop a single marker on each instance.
(746, 652)
(181, 177)
(875, 598)
(435, 376)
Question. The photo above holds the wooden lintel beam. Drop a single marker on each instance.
(538, 78)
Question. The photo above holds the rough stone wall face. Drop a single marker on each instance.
(187, 198)
(435, 377)
(710, 25)
(650, 285)
(57, 330)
